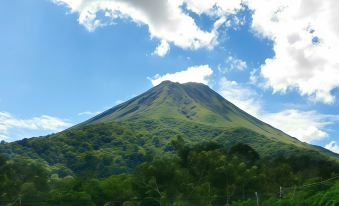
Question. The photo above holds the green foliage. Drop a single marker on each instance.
(118, 147)
(22, 177)
(201, 174)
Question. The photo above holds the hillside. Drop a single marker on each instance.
(123, 137)
(176, 144)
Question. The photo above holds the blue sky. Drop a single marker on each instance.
(61, 65)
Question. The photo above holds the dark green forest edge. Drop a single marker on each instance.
(122, 164)
(174, 145)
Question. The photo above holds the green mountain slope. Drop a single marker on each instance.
(193, 103)
(121, 138)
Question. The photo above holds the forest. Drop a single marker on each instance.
(205, 173)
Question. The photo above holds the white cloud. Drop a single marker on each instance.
(253, 76)
(88, 113)
(165, 19)
(333, 146)
(44, 122)
(306, 45)
(243, 97)
(234, 63)
(307, 126)
(162, 49)
(198, 74)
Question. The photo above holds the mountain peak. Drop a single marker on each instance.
(191, 102)
(166, 100)
(188, 101)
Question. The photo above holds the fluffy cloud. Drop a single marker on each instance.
(162, 49)
(307, 126)
(191, 74)
(233, 63)
(306, 45)
(333, 146)
(165, 19)
(44, 122)
(243, 97)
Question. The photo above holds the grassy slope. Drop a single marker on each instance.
(194, 103)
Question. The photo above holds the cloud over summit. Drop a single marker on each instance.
(199, 74)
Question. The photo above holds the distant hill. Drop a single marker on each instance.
(128, 134)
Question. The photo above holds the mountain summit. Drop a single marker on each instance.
(192, 102)
(189, 102)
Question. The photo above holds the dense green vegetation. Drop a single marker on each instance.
(175, 145)
(201, 174)
(117, 147)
